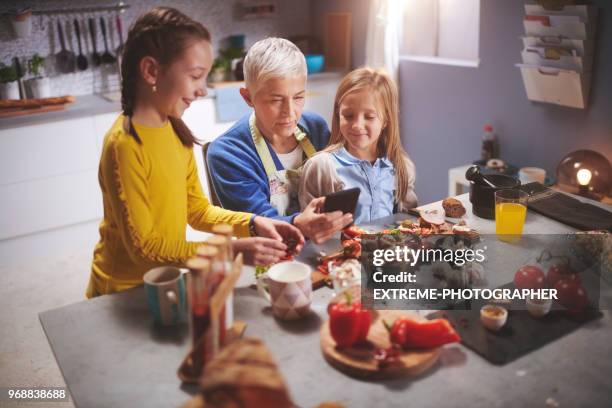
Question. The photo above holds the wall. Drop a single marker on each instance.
(293, 18)
(443, 108)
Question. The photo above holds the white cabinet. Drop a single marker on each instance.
(49, 170)
(51, 149)
(48, 176)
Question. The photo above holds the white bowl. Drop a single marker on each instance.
(493, 323)
(538, 307)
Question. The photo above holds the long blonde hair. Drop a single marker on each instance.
(389, 143)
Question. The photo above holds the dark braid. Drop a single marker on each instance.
(162, 33)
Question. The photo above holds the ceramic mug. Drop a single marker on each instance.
(531, 174)
(288, 288)
(166, 296)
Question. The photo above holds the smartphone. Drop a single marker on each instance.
(345, 201)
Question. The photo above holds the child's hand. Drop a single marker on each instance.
(321, 226)
(259, 250)
(280, 231)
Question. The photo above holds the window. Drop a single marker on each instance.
(441, 31)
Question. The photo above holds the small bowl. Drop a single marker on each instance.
(493, 317)
(538, 307)
(314, 63)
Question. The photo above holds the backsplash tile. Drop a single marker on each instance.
(292, 18)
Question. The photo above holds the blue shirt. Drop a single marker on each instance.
(376, 182)
(238, 175)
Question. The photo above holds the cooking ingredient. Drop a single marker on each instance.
(411, 334)
(349, 324)
(560, 271)
(529, 277)
(571, 295)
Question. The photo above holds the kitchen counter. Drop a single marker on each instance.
(85, 105)
(112, 355)
(89, 105)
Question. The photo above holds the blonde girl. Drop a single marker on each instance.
(364, 149)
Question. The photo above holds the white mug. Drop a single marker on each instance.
(531, 174)
(288, 288)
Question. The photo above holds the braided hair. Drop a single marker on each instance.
(163, 33)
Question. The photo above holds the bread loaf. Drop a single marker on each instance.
(244, 374)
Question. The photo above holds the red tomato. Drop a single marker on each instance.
(560, 271)
(529, 277)
(571, 295)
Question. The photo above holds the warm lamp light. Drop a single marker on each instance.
(585, 172)
(584, 176)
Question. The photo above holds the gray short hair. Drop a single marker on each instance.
(271, 58)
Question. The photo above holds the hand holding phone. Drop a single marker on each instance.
(345, 201)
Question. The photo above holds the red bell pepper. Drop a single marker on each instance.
(349, 324)
(411, 334)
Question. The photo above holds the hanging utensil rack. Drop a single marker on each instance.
(121, 7)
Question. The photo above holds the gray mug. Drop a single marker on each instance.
(166, 295)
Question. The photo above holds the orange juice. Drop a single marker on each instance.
(509, 218)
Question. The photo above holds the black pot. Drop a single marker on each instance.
(482, 196)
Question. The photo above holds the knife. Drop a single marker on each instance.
(22, 92)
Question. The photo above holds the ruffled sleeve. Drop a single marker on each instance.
(125, 175)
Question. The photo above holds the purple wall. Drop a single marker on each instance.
(444, 108)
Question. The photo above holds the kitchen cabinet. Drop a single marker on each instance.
(49, 162)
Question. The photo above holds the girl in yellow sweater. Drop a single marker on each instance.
(147, 172)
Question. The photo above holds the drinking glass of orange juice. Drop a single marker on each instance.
(510, 212)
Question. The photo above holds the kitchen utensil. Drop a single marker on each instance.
(360, 361)
(20, 73)
(34, 103)
(473, 174)
(482, 195)
(81, 60)
(107, 57)
(14, 112)
(120, 32)
(96, 58)
(520, 335)
(65, 59)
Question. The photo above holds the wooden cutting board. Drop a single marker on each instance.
(14, 112)
(360, 362)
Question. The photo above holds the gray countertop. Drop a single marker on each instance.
(111, 355)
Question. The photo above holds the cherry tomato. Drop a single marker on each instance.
(529, 277)
(571, 295)
(560, 271)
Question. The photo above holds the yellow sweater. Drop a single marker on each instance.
(150, 191)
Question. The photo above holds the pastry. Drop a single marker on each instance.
(453, 207)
